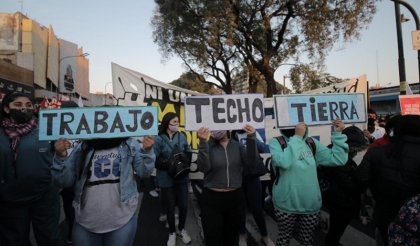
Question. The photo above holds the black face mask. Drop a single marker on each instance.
(21, 115)
(371, 121)
(371, 125)
(99, 144)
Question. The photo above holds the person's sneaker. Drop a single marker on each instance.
(162, 217)
(153, 193)
(242, 240)
(171, 239)
(184, 236)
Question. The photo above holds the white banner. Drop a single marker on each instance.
(132, 88)
(224, 112)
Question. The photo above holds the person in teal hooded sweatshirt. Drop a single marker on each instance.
(297, 196)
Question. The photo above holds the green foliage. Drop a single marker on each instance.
(215, 38)
(194, 82)
(304, 78)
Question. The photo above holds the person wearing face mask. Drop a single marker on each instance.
(174, 192)
(222, 161)
(389, 132)
(27, 193)
(373, 131)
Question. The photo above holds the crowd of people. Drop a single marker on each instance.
(308, 176)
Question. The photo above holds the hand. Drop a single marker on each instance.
(61, 146)
(249, 129)
(339, 125)
(300, 129)
(148, 142)
(203, 134)
(367, 133)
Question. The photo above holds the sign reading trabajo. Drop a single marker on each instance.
(224, 112)
(97, 122)
(319, 109)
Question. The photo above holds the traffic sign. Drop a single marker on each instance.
(415, 35)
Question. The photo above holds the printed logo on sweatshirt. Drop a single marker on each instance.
(105, 168)
(305, 154)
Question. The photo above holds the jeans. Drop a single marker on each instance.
(177, 195)
(122, 236)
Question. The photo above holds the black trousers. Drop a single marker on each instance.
(221, 216)
(15, 221)
(338, 224)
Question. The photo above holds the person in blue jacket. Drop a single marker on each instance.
(105, 188)
(174, 192)
(27, 193)
(297, 196)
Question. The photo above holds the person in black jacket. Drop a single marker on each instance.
(392, 172)
(27, 192)
(342, 197)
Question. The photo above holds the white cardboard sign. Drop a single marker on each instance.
(224, 112)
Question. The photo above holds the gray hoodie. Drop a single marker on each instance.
(222, 167)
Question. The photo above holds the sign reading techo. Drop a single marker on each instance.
(224, 112)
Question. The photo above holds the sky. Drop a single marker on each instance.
(120, 32)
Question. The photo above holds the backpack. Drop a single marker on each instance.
(275, 174)
(178, 164)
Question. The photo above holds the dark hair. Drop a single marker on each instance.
(10, 97)
(288, 132)
(408, 126)
(165, 122)
(391, 122)
(69, 104)
(371, 111)
(355, 139)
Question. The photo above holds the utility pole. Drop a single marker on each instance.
(401, 61)
(399, 36)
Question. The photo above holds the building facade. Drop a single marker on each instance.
(34, 59)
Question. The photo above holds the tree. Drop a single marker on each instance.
(193, 82)
(210, 34)
(196, 34)
(304, 78)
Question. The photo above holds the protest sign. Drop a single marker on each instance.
(224, 112)
(97, 122)
(319, 109)
(410, 104)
